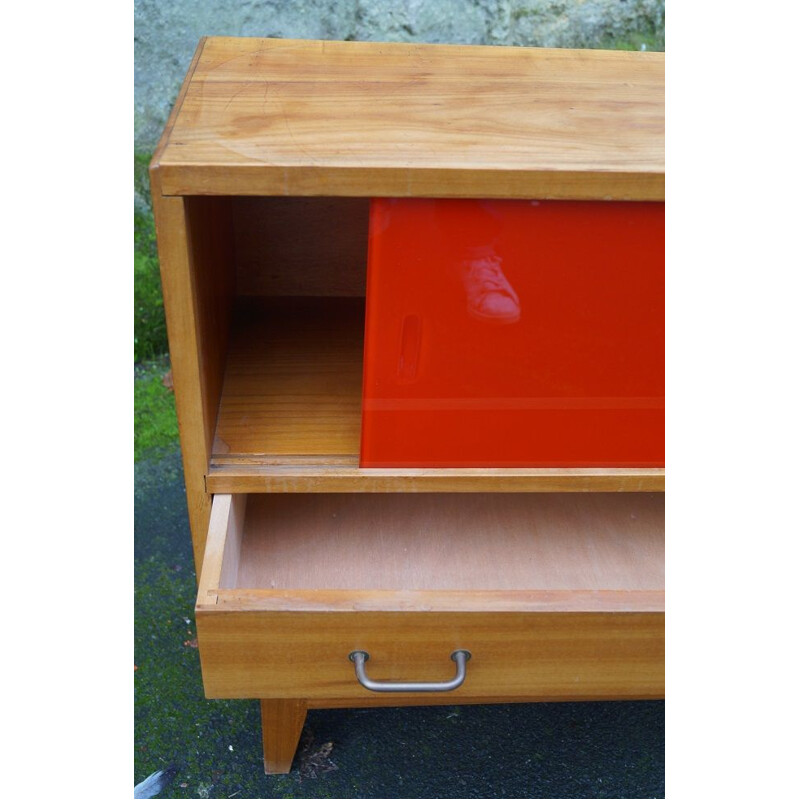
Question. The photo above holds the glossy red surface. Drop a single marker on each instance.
(514, 333)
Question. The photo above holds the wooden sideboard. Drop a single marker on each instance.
(550, 578)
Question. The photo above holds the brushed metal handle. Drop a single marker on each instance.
(360, 657)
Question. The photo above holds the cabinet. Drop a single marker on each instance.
(540, 583)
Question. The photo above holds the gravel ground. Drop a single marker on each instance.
(610, 749)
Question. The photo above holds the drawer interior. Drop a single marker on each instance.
(587, 551)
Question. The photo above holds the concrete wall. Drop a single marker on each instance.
(166, 32)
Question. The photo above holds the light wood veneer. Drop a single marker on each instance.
(552, 594)
(286, 117)
(552, 578)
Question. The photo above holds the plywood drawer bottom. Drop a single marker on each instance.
(563, 599)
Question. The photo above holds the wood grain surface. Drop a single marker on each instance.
(293, 246)
(293, 379)
(536, 656)
(422, 553)
(308, 557)
(289, 117)
(174, 253)
(592, 542)
(583, 619)
(281, 725)
(194, 250)
(342, 474)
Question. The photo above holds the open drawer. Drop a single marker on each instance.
(554, 596)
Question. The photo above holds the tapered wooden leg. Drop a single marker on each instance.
(281, 724)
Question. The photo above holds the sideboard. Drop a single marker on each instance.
(325, 583)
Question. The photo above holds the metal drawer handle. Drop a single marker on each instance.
(359, 658)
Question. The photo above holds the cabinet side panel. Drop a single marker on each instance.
(210, 232)
(194, 247)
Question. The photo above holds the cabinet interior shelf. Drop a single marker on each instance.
(289, 417)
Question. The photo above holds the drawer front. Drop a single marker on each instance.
(564, 603)
(536, 656)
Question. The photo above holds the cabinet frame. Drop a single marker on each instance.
(198, 178)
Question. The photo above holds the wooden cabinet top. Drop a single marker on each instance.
(288, 117)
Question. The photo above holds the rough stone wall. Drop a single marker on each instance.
(166, 32)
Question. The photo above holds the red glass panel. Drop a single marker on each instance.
(514, 333)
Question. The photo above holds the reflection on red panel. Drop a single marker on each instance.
(514, 333)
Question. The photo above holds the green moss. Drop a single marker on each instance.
(141, 178)
(149, 322)
(213, 744)
(646, 40)
(155, 422)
